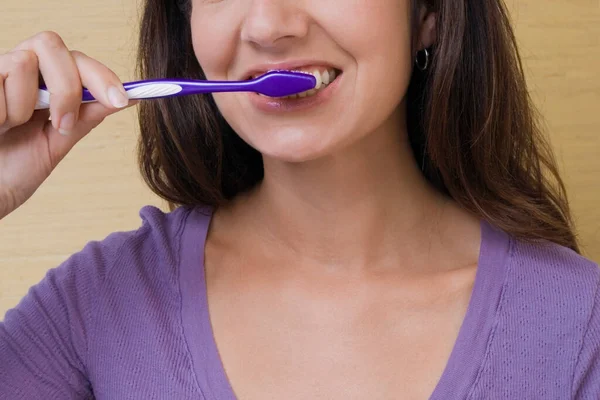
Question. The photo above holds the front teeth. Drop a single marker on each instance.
(317, 75)
(324, 78)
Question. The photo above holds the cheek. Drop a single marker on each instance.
(213, 41)
(379, 40)
(380, 30)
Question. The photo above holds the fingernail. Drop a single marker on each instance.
(117, 98)
(67, 122)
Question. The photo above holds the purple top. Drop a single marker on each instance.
(127, 318)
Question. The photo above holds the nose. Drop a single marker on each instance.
(273, 24)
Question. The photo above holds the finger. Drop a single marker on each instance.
(20, 86)
(90, 116)
(103, 83)
(61, 77)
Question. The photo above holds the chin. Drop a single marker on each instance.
(292, 145)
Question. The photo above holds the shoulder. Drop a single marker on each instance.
(93, 308)
(158, 230)
(545, 328)
(149, 252)
(564, 297)
(550, 295)
(540, 276)
(548, 269)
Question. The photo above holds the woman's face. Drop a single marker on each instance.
(365, 45)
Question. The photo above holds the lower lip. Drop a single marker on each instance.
(282, 105)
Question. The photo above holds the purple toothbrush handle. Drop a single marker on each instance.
(273, 84)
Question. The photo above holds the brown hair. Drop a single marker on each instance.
(472, 124)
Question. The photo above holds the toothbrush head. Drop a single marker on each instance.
(283, 83)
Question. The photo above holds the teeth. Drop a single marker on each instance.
(325, 77)
(317, 74)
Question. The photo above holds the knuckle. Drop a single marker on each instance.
(67, 98)
(24, 59)
(21, 117)
(68, 92)
(5, 127)
(9, 201)
(49, 39)
(78, 54)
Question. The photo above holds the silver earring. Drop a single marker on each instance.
(422, 59)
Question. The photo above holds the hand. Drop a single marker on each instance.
(33, 142)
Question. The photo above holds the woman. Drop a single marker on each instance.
(401, 233)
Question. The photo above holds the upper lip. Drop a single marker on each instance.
(288, 66)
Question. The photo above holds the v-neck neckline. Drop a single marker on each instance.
(461, 369)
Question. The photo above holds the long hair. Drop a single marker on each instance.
(471, 123)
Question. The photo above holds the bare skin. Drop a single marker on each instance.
(288, 328)
(353, 289)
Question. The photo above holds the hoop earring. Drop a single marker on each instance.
(422, 65)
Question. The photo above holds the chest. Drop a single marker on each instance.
(293, 344)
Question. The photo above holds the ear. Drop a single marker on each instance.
(427, 28)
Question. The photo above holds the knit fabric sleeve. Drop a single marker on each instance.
(43, 340)
(586, 382)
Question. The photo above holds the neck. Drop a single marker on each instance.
(364, 206)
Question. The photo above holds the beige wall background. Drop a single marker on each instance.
(97, 189)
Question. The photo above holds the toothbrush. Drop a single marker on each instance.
(272, 84)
